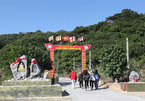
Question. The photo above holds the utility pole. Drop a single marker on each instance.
(57, 67)
(127, 53)
(90, 60)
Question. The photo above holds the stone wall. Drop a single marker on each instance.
(29, 88)
(30, 91)
(134, 87)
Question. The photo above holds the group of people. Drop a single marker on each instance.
(86, 79)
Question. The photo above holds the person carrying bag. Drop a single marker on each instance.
(97, 77)
(92, 80)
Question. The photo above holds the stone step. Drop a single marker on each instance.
(68, 98)
(26, 82)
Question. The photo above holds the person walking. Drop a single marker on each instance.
(80, 79)
(86, 77)
(73, 77)
(97, 77)
(92, 80)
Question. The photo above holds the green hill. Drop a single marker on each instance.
(113, 31)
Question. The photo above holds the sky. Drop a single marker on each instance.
(54, 15)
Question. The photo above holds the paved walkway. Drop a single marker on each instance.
(79, 94)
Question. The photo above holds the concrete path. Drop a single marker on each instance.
(79, 94)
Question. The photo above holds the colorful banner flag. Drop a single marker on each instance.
(81, 39)
(58, 38)
(72, 39)
(51, 38)
(66, 38)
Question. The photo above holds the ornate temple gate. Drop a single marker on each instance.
(64, 47)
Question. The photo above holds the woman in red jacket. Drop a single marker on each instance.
(73, 77)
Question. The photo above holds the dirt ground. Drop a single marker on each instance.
(116, 87)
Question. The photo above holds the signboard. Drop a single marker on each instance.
(65, 47)
(52, 59)
(84, 60)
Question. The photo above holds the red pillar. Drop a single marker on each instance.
(83, 60)
(52, 59)
(123, 86)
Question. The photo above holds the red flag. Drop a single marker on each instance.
(66, 38)
(58, 38)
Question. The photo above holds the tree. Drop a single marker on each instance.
(113, 62)
(126, 14)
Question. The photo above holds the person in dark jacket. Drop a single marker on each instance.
(97, 77)
(86, 77)
(80, 79)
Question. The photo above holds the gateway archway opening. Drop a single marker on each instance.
(66, 47)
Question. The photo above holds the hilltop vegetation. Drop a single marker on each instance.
(113, 31)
